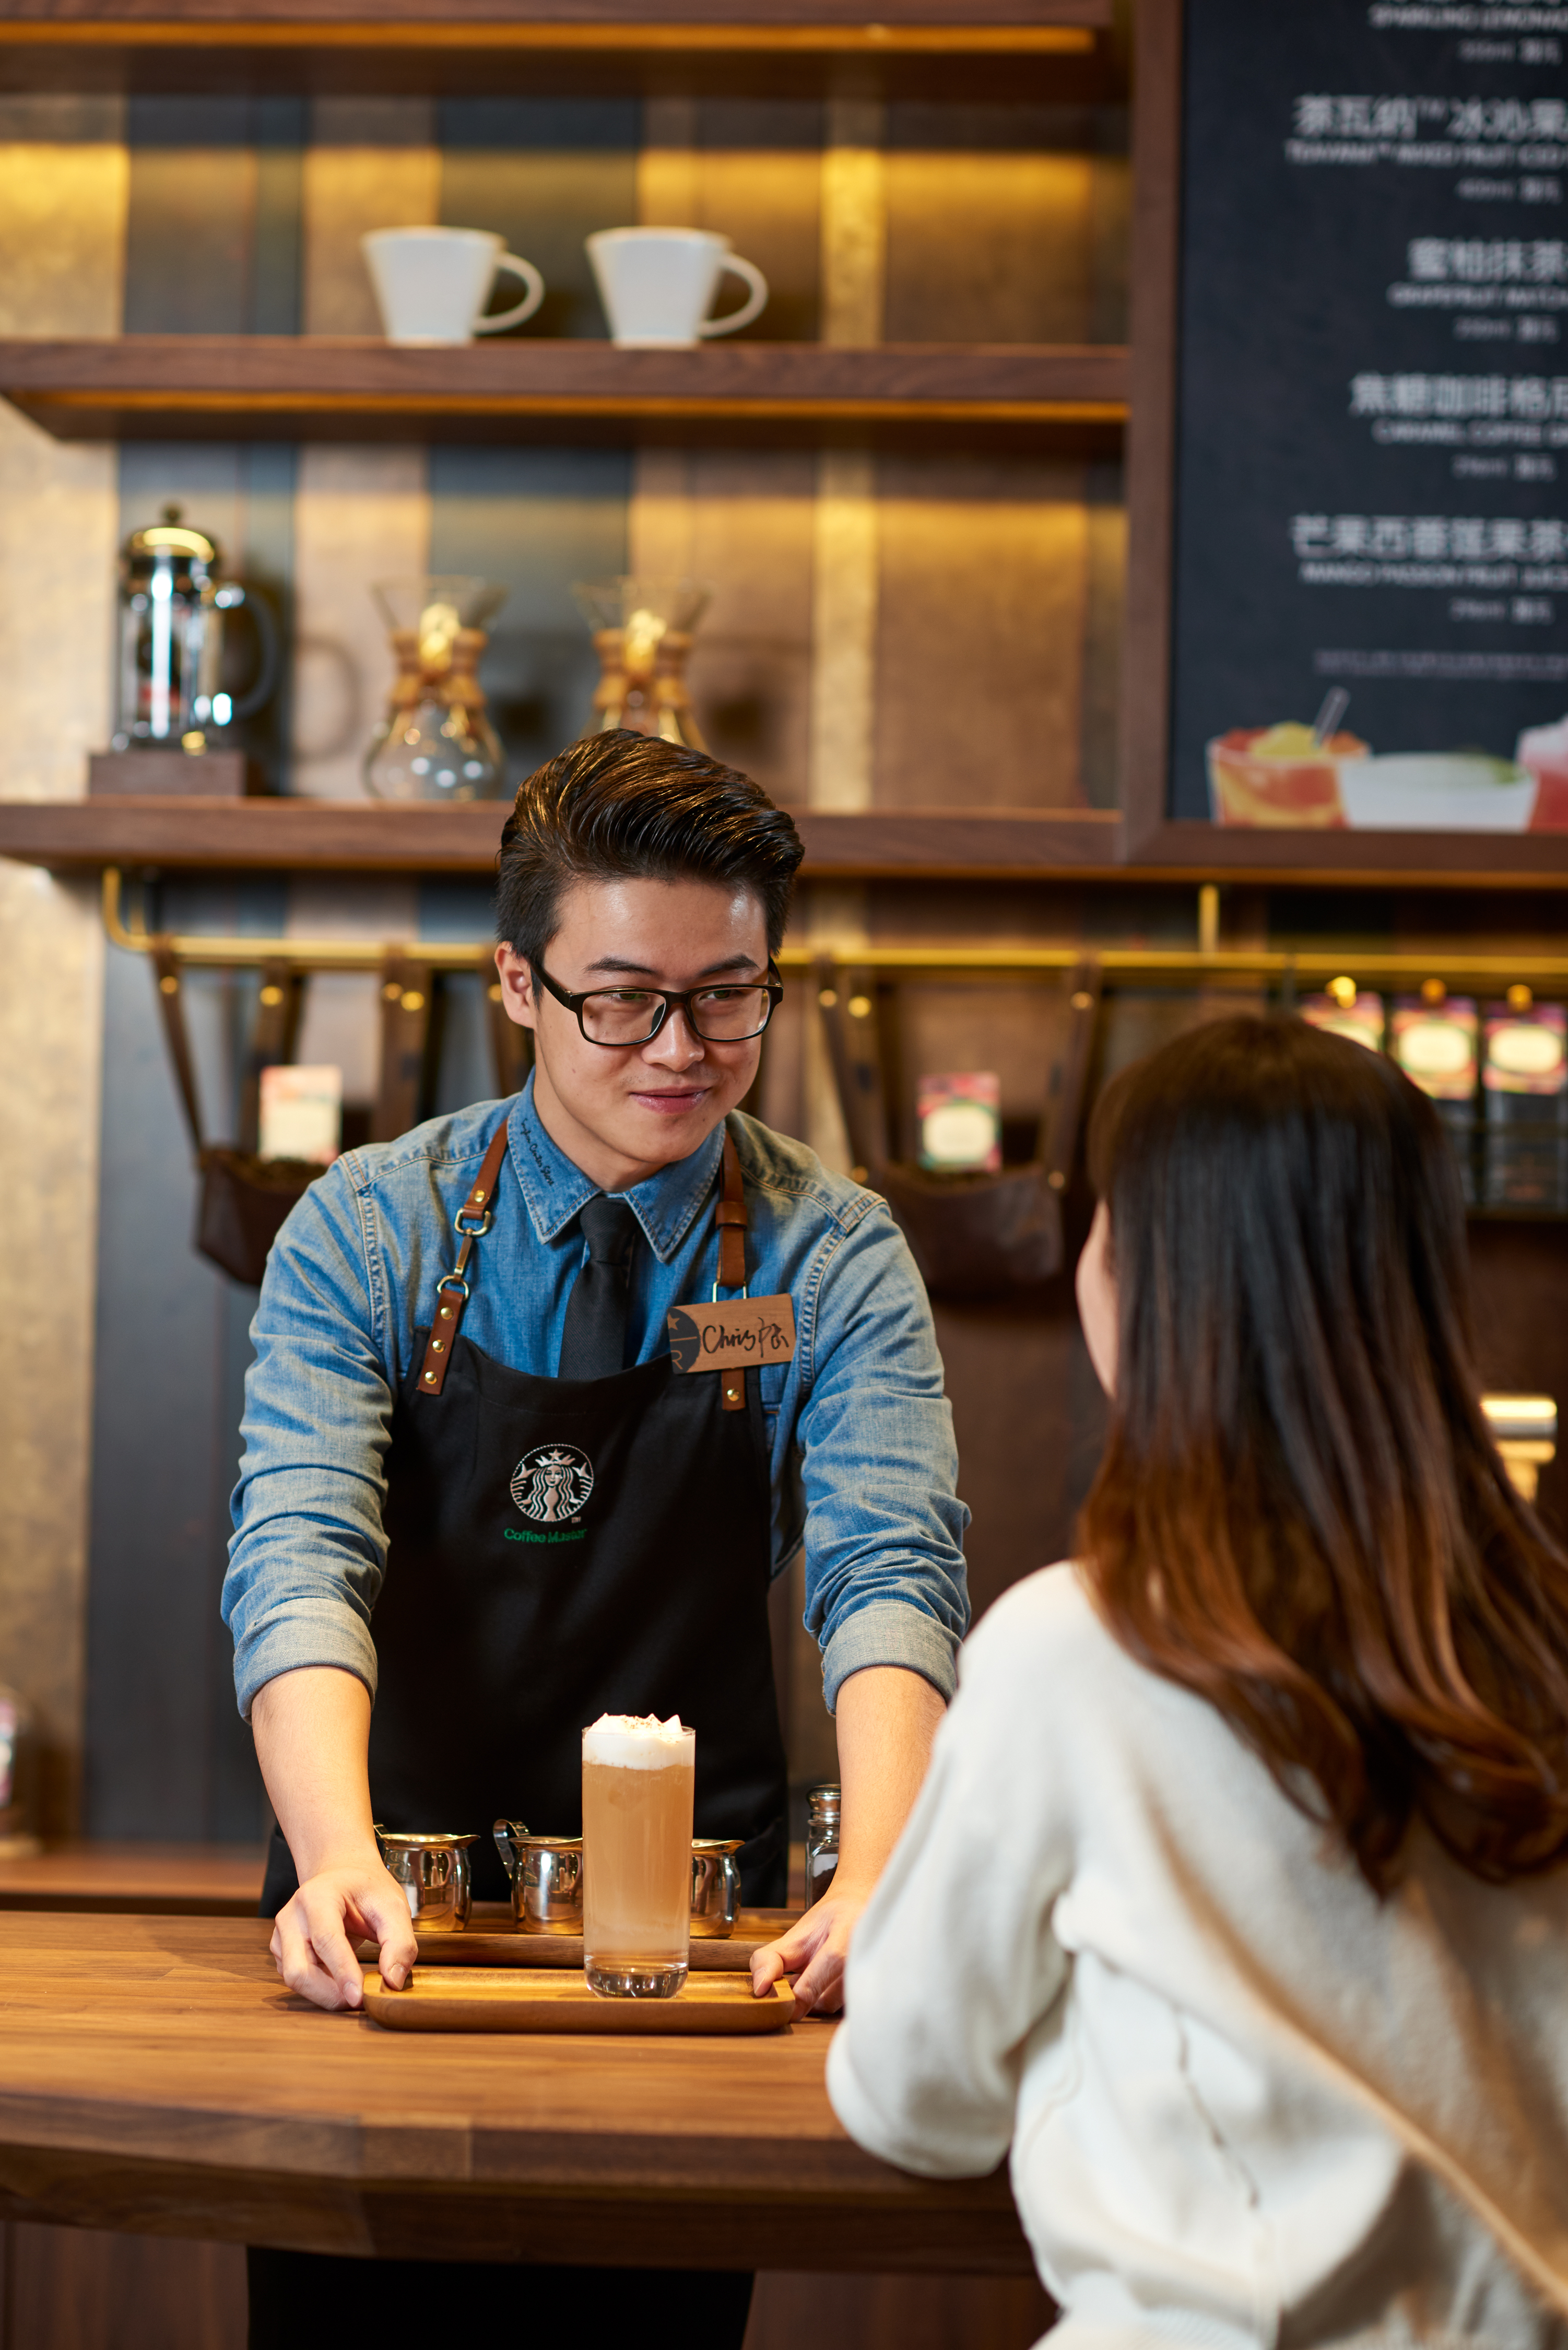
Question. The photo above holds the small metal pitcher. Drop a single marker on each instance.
(547, 1875)
(434, 1873)
(715, 1887)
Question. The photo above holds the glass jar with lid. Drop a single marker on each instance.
(821, 1840)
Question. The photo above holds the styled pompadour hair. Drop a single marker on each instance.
(623, 806)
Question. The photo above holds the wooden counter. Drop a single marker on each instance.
(155, 2077)
(185, 1880)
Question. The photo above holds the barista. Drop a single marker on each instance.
(476, 1511)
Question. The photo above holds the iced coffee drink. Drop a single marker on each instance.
(637, 1775)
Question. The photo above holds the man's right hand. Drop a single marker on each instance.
(313, 1940)
(313, 1733)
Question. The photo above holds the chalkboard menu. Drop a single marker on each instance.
(1370, 610)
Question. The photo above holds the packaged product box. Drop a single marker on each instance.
(1437, 1046)
(1524, 1098)
(1360, 1018)
(961, 1122)
(301, 1113)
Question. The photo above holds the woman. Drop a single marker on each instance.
(1235, 1899)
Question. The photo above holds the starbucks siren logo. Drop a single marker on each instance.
(552, 1484)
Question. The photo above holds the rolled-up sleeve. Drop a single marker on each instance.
(309, 1550)
(884, 1529)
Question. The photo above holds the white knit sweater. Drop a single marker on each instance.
(1247, 2103)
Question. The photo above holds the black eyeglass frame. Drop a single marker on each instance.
(669, 999)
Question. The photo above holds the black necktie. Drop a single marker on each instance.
(593, 1343)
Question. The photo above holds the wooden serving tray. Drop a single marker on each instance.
(486, 1941)
(517, 1999)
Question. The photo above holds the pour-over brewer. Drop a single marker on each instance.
(435, 740)
(642, 634)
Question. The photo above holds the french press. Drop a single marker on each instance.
(174, 690)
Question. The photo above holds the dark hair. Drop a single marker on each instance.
(1300, 1514)
(619, 806)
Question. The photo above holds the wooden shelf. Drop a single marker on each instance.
(937, 843)
(272, 386)
(168, 1880)
(1406, 860)
(371, 837)
(916, 47)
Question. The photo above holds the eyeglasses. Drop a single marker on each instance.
(726, 1013)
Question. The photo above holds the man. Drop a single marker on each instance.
(406, 1648)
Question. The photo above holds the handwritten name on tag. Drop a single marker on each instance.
(744, 1331)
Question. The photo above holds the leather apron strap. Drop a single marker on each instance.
(471, 1223)
(731, 1218)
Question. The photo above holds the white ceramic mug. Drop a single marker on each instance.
(432, 283)
(657, 285)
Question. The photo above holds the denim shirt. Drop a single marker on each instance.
(861, 1434)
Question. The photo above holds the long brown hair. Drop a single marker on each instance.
(1300, 1514)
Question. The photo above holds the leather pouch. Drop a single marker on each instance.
(242, 1197)
(971, 1235)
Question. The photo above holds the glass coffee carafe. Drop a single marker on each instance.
(436, 741)
(642, 634)
(174, 688)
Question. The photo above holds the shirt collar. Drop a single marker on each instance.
(555, 1188)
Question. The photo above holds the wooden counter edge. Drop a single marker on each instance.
(772, 2222)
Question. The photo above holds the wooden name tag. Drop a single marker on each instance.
(746, 1332)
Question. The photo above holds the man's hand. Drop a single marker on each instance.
(814, 1951)
(313, 1941)
(887, 1719)
(313, 1735)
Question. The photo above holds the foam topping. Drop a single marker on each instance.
(638, 1741)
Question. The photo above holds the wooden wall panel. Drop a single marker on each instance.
(1030, 1421)
(980, 633)
(989, 248)
(371, 163)
(167, 1754)
(1006, 223)
(1521, 1279)
(749, 170)
(741, 519)
(1105, 589)
(188, 264)
(361, 514)
(544, 175)
(81, 2289)
(896, 2313)
(854, 222)
(535, 519)
(63, 197)
(1110, 236)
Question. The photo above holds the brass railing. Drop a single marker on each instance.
(1449, 964)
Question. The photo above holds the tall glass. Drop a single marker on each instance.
(637, 1784)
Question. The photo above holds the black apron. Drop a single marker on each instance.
(563, 1548)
